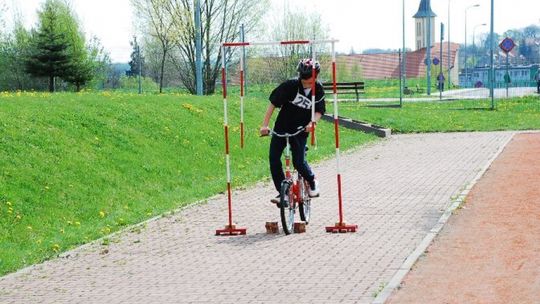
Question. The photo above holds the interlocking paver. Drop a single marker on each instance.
(395, 190)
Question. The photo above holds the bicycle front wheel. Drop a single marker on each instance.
(286, 207)
(305, 205)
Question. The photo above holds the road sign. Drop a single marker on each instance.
(507, 44)
(436, 61)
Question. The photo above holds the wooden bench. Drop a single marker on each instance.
(356, 88)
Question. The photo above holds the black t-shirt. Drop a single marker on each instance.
(295, 105)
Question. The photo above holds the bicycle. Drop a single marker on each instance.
(294, 192)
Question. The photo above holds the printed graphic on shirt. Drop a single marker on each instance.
(302, 101)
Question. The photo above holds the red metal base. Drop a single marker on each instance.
(342, 228)
(231, 230)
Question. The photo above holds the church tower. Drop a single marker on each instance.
(421, 24)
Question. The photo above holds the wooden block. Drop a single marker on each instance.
(299, 227)
(272, 227)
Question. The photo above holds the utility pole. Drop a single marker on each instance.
(492, 68)
(428, 52)
(198, 49)
(139, 63)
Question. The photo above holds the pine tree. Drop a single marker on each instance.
(49, 47)
(136, 56)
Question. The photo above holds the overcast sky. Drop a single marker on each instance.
(358, 24)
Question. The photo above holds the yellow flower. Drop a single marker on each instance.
(29, 227)
(8, 203)
(101, 214)
(18, 216)
(56, 247)
(77, 223)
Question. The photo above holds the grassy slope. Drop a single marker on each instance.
(76, 167)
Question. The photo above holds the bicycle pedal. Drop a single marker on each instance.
(299, 227)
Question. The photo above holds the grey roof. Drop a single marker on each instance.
(424, 10)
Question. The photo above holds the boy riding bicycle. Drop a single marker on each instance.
(293, 97)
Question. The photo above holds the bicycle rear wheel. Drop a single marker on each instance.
(286, 207)
(305, 205)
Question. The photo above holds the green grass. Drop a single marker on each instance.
(467, 115)
(77, 167)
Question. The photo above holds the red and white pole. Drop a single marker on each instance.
(314, 76)
(340, 226)
(229, 229)
(242, 102)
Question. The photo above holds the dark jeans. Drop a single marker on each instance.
(298, 151)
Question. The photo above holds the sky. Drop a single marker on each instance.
(357, 24)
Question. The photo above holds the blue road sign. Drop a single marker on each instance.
(507, 44)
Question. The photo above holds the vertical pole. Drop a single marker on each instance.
(449, 61)
(440, 81)
(400, 80)
(139, 64)
(313, 93)
(428, 53)
(198, 49)
(507, 75)
(465, 83)
(492, 68)
(402, 75)
(226, 127)
(243, 37)
(341, 226)
(336, 130)
(241, 102)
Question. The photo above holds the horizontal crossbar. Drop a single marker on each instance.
(233, 44)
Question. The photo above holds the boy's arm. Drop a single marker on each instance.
(317, 117)
(264, 128)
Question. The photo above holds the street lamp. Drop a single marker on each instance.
(474, 44)
(448, 61)
(465, 50)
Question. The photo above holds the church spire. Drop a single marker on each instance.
(424, 10)
(421, 25)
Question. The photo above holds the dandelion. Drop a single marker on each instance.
(9, 203)
(101, 214)
(56, 247)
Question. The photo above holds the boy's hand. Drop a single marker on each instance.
(264, 131)
(309, 127)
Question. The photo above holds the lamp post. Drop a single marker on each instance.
(474, 44)
(448, 61)
(465, 49)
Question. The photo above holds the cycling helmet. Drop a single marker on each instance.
(305, 68)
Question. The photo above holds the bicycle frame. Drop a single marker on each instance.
(294, 188)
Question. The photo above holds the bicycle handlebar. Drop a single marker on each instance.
(274, 133)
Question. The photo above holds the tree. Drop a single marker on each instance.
(81, 66)
(13, 55)
(295, 25)
(49, 45)
(137, 59)
(158, 23)
(220, 21)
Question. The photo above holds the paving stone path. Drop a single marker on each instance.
(395, 190)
